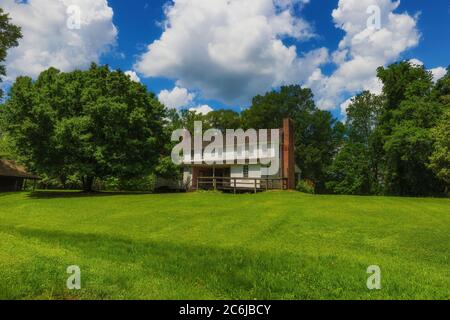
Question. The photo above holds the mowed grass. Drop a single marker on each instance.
(277, 245)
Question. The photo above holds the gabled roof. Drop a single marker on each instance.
(10, 168)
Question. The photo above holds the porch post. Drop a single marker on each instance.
(214, 177)
(288, 162)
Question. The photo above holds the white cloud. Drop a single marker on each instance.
(133, 76)
(344, 106)
(47, 39)
(416, 62)
(231, 50)
(177, 98)
(180, 98)
(203, 109)
(364, 49)
(438, 73)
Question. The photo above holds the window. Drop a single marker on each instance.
(245, 171)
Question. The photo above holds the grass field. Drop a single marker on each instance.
(217, 246)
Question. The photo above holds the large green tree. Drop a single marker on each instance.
(405, 129)
(350, 171)
(92, 124)
(5, 147)
(356, 168)
(9, 36)
(269, 110)
(440, 158)
(402, 81)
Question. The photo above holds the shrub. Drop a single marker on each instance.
(139, 184)
(306, 186)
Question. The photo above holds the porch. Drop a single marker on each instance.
(241, 184)
(231, 178)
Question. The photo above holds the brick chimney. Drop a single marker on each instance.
(288, 153)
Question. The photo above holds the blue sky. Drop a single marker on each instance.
(216, 69)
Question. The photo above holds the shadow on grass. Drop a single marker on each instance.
(79, 194)
(224, 273)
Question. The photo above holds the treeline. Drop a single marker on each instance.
(395, 143)
(98, 128)
(85, 127)
(318, 135)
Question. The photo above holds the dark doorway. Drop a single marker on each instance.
(11, 184)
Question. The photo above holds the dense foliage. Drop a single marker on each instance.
(98, 123)
(397, 143)
(9, 36)
(91, 124)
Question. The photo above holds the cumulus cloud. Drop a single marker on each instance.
(416, 62)
(203, 109)
(438, 73)
(176, 98)
(364, 47)
(133, 76)
(231, 50)
(66, 34)
(180, 98)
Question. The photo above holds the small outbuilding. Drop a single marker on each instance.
(13, 176)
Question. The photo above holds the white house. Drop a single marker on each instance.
(249, 169)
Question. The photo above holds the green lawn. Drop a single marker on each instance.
(278, 245)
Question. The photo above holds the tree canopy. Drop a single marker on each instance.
(99, 124)
(90, 124)
(355, 170)
(9, 36)
(397, 143)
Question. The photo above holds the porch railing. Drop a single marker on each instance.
(241, 184)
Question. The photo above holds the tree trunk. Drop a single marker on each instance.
(87, 184)
(63, 181)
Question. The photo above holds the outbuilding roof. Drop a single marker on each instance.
(12, 169)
